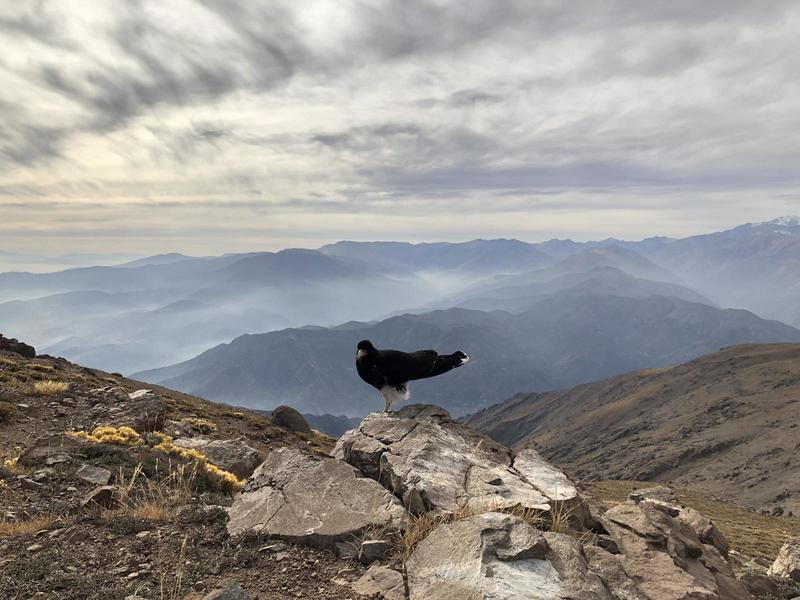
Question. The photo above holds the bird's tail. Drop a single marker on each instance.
(447, 362)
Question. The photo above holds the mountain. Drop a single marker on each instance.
(166, 309)
(726, 423)
(158, 259)
(468, 258)
(599, 280)
(754, 266)
(562, 340)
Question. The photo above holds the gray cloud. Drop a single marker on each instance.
(361, 109)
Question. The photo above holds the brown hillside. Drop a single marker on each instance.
(727, 424)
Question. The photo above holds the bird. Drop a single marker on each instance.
(389, 371)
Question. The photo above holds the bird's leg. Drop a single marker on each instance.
(386, 402)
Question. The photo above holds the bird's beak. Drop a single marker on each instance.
(361, 354)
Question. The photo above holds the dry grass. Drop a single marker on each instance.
(122, 436)
(750, 533)
(11, 461)
(419, 526)
(200, 424)
(171, 584)
(16, 384)
(29, 527)
(50, 387)
(223, 480)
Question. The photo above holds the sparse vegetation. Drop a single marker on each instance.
(122, 436)
(11, 461)
(50, 387)
(200, 424)
(9, 528)
(220, 478)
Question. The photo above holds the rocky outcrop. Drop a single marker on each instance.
(312, 500)
(787, 564)
(142, 410)
(17, 347)
(233, 455)
(291, 419)
(480, 545)
(661, 551)
(496, 555)
(434, 463)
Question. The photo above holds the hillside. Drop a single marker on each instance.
(115, 492)
(726, 424)
(562, 340)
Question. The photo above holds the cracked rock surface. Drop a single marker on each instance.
(312, 500)
(434, 463)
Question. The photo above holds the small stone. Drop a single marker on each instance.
(372, 550)
(103, 496)
(34, 547)
(133, 575)
(95, 475)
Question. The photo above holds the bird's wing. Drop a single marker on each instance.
(399, 367)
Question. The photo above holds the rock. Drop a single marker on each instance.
(496, 555)
(434, 463)
(142, 410)
(52, 450)
(104, 496)
(372, 550)
(232, 592)
(381, 582)
(665, 554)
(232, 455)
(17, 347)
(760, 585)
(96, 475)
(705, 528)
(291, 419)
(658, 492)
(312, 500)
(787, 564)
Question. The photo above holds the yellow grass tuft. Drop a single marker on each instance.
(11, 462)
(200, 424)
(225, 480)
(122, 436)
(29, 527)
(50, 387)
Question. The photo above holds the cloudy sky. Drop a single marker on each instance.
(207, 126)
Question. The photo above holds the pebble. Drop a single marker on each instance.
(133, 575)
(34, 547)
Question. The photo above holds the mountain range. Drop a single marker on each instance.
(545, 315)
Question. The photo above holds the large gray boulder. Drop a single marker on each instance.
(787, 564)
(434, 463)
(17, 347)
(312, 500)
(496, 555)
(233, 455)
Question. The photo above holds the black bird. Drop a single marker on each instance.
(390, 370)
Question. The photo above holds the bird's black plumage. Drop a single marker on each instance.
(390, 370)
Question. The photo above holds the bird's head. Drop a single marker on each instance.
(365, 348)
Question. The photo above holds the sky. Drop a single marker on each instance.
(208, 126)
